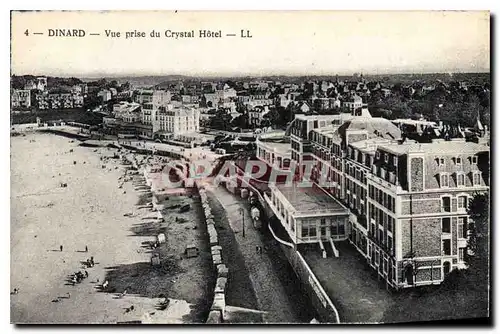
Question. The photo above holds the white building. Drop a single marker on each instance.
(169, 121)
(256, 115)
(21, 98)
(105, 95)
(353, 103)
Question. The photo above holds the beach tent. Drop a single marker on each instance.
(161, 238)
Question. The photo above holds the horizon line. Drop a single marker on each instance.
(243, 75)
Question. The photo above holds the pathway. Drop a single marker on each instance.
(271, 295)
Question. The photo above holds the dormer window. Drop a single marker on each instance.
(386, 158)
(474, 160)
(476, 179)
(458, 160)
(440, 161)
(377, 155)
(444, 181)
(460, 180)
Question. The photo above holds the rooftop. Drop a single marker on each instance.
(280, 148)
(436, 147)
(307, 199)
(370, 145)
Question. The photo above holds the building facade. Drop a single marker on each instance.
(407, 201)
(21, 99)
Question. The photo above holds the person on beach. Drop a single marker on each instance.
(86, 249)
(86, 274)
(61, 248)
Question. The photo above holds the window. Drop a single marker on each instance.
(389, 243)
(446, 204)
(308, 231)
(476, 179)
(444, 180)
(386, 157)
(446, 225)
(461, 254)
(462, 227)
(458, 160)
(462, 202)
(440, 161)
(460, 180)
(474, 160)
(341, 229)
(447, 247)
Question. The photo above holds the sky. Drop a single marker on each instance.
(282, 43)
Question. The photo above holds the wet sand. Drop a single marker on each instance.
(88, 212)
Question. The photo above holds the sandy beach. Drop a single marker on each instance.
(90, 212)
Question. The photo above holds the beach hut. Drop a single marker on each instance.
(161, 238)
(155, 260)
(191, 251)
(160, 217)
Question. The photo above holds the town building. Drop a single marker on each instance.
(406, 201)
(105, 95)
(308, 214)
(169, 122)
(256, 115)
(353, 103)
(276, 154)
(21, 99)
(126, 121)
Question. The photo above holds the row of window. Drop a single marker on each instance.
(387, 158)
(310, 229)
(462, 203)
(384, 220)
(384, 199)
(444, 179)
(382, 261)
(456, 160)
(356, 173)
(462, 226)
(382, 238)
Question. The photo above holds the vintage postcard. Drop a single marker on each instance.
(256, 167)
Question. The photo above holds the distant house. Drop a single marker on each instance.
(21, 98)
(304, 107)
(256, 115)
(105, 95)
(352, 103)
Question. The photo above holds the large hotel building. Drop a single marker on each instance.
(402, 204)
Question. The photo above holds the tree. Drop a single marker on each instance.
(241, 121)
(479, 233)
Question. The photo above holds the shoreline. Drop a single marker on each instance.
(45, 215)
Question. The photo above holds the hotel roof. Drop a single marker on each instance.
(370, 145)
(310, 199)
(436, 147)
(280, 148)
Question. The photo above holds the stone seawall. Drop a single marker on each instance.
(217, 310)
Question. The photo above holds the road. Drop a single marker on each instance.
(269, 290)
